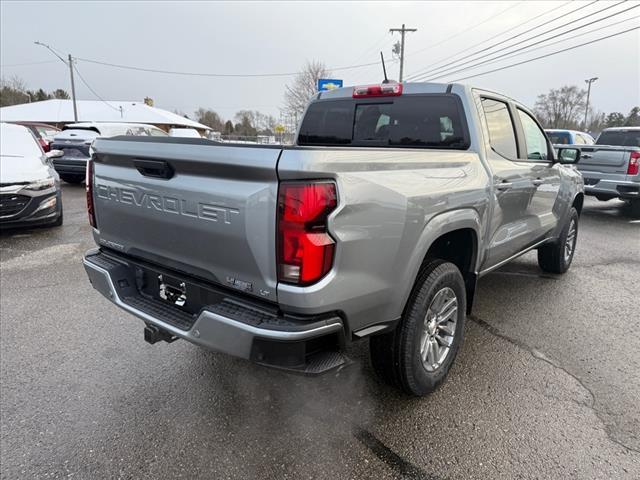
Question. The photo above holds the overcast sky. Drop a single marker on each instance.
(271, 37)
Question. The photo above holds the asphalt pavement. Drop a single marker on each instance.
(546, 384)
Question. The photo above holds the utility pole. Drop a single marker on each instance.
(586, 110)
(73, 90)
(402, 31)
(73, 85)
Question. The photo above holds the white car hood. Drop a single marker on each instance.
(15, 169)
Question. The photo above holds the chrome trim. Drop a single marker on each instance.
(522, 252)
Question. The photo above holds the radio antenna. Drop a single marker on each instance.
(384, 69)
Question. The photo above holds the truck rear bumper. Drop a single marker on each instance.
(612, 188)
(67, 166)
(305, 345)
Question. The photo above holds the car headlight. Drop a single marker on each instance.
(43, 184)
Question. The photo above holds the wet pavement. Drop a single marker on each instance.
(546, 384)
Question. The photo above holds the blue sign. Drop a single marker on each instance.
(325, 84)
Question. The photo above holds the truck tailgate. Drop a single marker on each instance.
(192, 205)
(605, 159)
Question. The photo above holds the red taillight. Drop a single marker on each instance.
(305, 249)
(89, 182)
(634, 163)
(382, 90)
(45, 145)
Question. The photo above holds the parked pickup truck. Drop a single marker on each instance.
(611, 167)
(375, 224)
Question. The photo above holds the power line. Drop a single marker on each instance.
(546, 55)
(227, 75)
(492, 17)
(374, 47)
(432, 68)
(513, 54)
(93, 91)
(448, 71)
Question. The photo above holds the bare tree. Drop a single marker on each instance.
(304, 86)
(210, 119)
(13, 91)
(561, 108)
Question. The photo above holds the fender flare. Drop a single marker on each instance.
(441, 224)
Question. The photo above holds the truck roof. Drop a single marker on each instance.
(408, 88)
(621, 129)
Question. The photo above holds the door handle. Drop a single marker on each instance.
(586, 155)
(503, 185)
(537, 182)
(154, 168)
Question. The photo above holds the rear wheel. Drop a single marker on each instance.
(70, 178)
(634, 207)
(604, 198)
(557, 257)
(418, 354)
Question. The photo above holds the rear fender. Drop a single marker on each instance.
(436, 227)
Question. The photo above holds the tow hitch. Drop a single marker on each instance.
(153, 334)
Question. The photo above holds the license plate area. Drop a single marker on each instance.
(172, 293)
(169, 288)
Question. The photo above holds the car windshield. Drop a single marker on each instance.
(559, 138)
(18, 141)
(621, 138)
(424, 121)
(47, 132)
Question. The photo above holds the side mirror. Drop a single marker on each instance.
(54, 154)
(568, 156)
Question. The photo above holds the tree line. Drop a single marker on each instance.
(565, 107)
(13, 91)
(247, 123)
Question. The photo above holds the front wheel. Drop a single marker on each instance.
(557, 257)
(634, 207)
(418, 354)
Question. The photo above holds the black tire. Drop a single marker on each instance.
(551, 257)
(634, 207)
(70, 178)
(603, 198)
(396, 356)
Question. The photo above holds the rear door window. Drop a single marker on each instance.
(502, 135)
(422, 121)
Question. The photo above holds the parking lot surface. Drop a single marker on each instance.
(546, 384)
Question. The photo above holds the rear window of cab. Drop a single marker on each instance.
(418, 121)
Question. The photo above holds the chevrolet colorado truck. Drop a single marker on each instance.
(376, 224)
(611, 167)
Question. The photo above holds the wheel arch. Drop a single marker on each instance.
(452, 236)
(578, 202)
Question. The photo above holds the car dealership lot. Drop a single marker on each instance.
(546, 384)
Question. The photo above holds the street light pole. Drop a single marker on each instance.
(402, 31)
(73, 90)
(586, 110)
(73, 85)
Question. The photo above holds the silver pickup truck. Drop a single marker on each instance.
(376, 224)
(611, 167)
